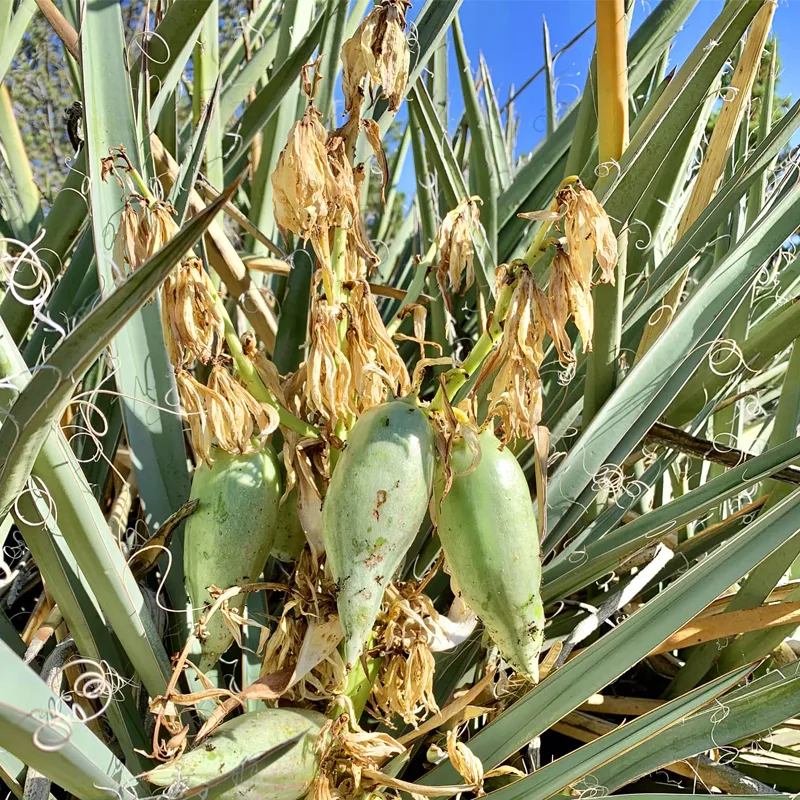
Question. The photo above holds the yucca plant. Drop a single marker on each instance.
(311, 488)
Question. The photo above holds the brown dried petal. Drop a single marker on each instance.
(373, 133)
(377, 53)
(516, 394)
(302, 177)
(456, 247)
(588, 231)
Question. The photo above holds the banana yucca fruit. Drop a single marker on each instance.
(243, 738)
(374, 507)
(230, 535)
(488, 533)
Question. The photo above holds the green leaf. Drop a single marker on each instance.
(26, 193)
(485, 176)
(12, 31)
(499, 153)
(66, 216)
(169, 48)
(44, 399)
(190, 168)
(145, 378)
(205, 90)
(293, 324)
(238, 89)
(44, 732)
(331, 48)
(268, 100)
(549, 80)
(620, 745)
(577, 567)
(622, 190)
(739, 716)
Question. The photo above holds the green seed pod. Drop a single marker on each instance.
(230, 535)
(375, 504)
(489, 536)
(242, 738)
(290, 538)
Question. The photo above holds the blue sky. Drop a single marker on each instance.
(509, 34)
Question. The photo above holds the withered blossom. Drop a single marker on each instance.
(161, 225)
(373, 337)
(235, 416)
(570, 296)
(223, 411)
(130, 244)
(302, 181)
(516, 393)
(194, 402)
(588, 231)
(377, 53)
(470, 767)
(456, 247)
(404, 684)
(345, 752)
(192, 321)
(329, 381)
(309, 602)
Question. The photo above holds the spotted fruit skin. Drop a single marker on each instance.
(374, 507)
(243, 738)
(489, 536)
(230, 535)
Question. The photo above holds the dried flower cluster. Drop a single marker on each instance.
(470, 767)
(223, 411)
(516, 394)
(346, 752)
(404, 684)
(377, 53)
(306, 637)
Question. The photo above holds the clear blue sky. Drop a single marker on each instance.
(509, 34)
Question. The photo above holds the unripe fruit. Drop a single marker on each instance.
(375, 504)
(230, 535)
(243, 738)
(489, 536)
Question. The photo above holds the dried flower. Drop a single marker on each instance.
(465, 762)
(470, 767)
(224, 410)
(376, 364)
(193, 323)
(404, 684)
(570, 295)
(377, 53)
(516, 394)
(588, 231)
(235, 416)
(161, 226)
(302, 181)
(130, 244)
(194, 398)
(328, 374)
(456, 248)
(345, 751)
